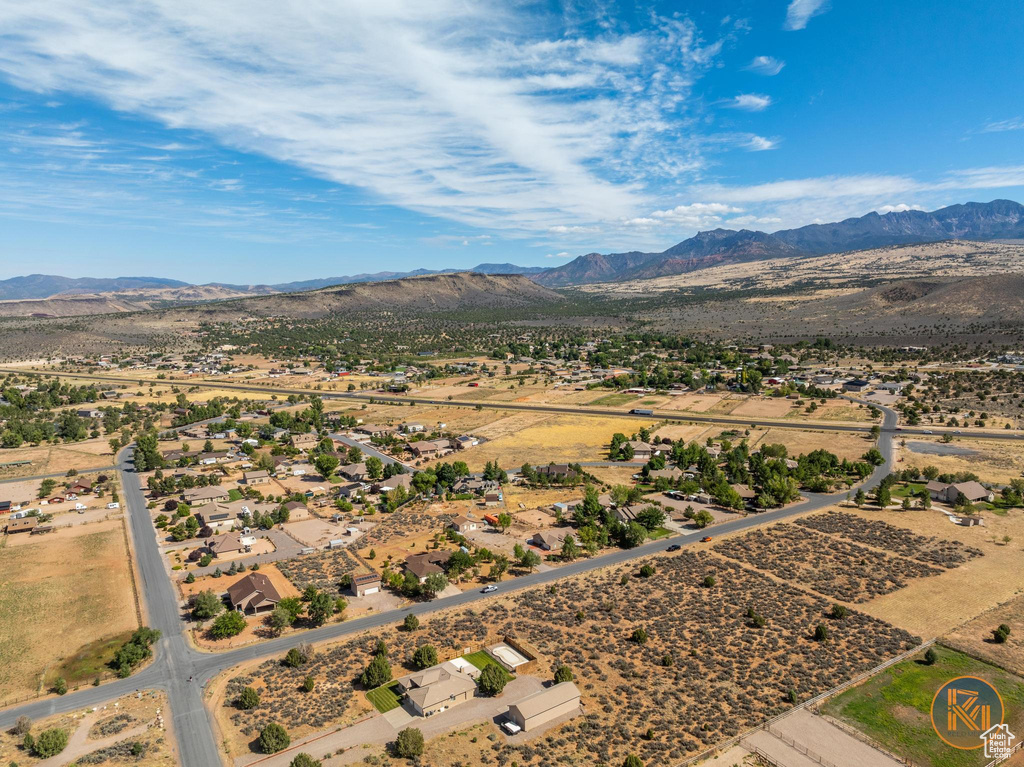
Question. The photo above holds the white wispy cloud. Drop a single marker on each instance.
(1000, 126)
(471, 111)
(765, 65)
(800, 12)
(760, 144)
(750, 102)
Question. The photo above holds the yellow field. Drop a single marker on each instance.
(57, 594)
(851, 446)
(560, 439)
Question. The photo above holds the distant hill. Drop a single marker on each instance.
(996, 220)
(46, 285)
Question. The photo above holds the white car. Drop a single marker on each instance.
(113, 505)
(511, 727)
(489, 589)
(80, 507)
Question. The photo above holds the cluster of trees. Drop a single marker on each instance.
(138, 648)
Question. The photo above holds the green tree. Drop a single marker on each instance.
(632, 761)
(930, 656)
(639, 635)
(228, 625)
(304, 760)
(206, 605)
(702, 519)
(319, 608)
(492, 680)
(434, 584)
(563, 674)
(374, 467)
(821, 633)
(411, 622)
(325, 464)
(504, 521)
(378, 672)
(633, 535)
(409, 743)
(425, 656)
(530, 559)
(274, 738)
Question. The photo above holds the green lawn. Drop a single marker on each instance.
(902, 491)
(659, 532)
(384, 698)
(894, 707)
(88, 662)
(482, 659)
(234, 494)
(613, 400)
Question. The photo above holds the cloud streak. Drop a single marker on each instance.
(765, 65)
(750, 102)
(464, 111)
(800, 12)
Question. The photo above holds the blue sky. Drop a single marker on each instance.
(273, 141)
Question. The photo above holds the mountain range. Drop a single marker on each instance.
(996, 220)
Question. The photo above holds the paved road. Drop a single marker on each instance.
(367, 449)
(671, 415)
(176, 662)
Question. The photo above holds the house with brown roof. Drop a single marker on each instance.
(545, 706)
(23, 525)
(974, 492)
(355, 472)
(438, 688)
(225, 545)
(549, 540)
(463, 524)
(422, 565)
(304, 441)
(253, 594)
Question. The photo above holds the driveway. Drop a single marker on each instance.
(380, 730)
(285, 547)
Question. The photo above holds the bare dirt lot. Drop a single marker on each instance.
(59, 592)
(992, 461)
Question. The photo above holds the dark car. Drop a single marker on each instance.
(674, 547)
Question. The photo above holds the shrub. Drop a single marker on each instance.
(632, 761)
(639, 635)
(411, 622)
(378, 672)
(23, 725)
(294, 658)
(930, 657)
(308, 684)
(304, 760)
(274, 738)
(60, 686)
(50, 743)
(647, 571)
(563, 674)
(206, 605)
(821, 633)
(839, 612)
(248, 699)
(409, 743)
(1000, 634)
(709, 581)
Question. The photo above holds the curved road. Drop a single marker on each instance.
(176, 661)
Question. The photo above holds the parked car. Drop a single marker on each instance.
(489, 589)
(80, 507)
(114, 505)
(510, 727)
(674, 547)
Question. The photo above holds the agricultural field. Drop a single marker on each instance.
(134, 729)
(56, 459)
(894, 707)
(845, 445)
(704, 669)
(59, 593)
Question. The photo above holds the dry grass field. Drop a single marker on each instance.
(722, 673)
(976, 636)
(103, 737)
(992, 461)
(58, 593)
(540, 440)
(56, 459)
(844, 445)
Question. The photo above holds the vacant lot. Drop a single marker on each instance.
(894, 707)
(850, 446)
(704, 672)
(56, 459)
(976, 636)
(560, 439)
(104, 736)
(992, 461)
(57, 594)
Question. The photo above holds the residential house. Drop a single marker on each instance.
(975, 492)
(545, 706)
(253, 594)
(856, 386)
(304, 441)
(80, 488)
(422, 565)
(462, 524)
(215, 457)
(351, 489)
(438, 688)
(642, 451)
(393, 483)
(549, 540)
(356, 472)
(90, 412)
(200, 496)
(219, 518)
(561, 471)
(365, 583)
(674, 473)
(256, 477)
(225, 545)
(465, 441)
(23, 525)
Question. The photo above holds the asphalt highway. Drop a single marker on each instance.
(182, 671)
